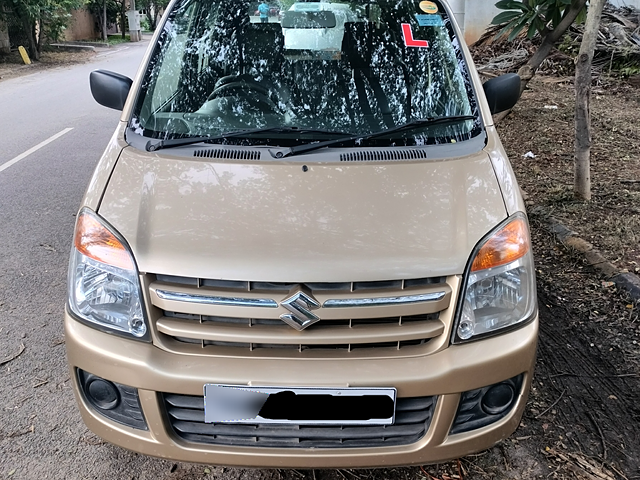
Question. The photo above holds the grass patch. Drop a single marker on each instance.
(117, 39)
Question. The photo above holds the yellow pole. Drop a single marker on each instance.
(24, 55)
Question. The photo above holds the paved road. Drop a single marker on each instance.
(41, 433)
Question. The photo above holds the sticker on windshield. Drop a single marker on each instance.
(428, 7)
(429, 20)
(409, 41)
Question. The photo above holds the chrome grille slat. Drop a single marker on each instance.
(403, 320)
(216, 300)
(285, 335)
(242, 286)
(383, 301)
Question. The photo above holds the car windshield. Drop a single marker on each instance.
(317, 69)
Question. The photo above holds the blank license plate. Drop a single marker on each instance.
(299, 406)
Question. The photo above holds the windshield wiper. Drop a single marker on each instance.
(179, 142)
(424, 122)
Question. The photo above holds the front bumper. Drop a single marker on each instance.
(446, 374)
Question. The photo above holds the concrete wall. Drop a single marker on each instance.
(474, 16)
(5, 46)
(477, 18)
(81, 27)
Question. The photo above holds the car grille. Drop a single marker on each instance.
(217, 317)
(186, 416)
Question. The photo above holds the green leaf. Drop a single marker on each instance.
(508, 29)
(512, 5)
(539, 27)
(504, 4)
(533, 29)
(582, 16)
(556, 18)
(502, 32)
(505, 17)
(518, 27)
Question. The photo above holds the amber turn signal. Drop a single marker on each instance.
(505, 246)
(95, 241)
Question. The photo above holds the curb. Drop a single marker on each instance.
(628, 282)
(71, 47)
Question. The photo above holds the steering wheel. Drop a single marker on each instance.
(247, 88)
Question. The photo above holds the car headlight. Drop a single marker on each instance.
(104, 288)
(499, 291)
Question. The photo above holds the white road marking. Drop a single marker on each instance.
(112, 52)
(15, 160)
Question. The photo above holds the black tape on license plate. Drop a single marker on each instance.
(299, 406)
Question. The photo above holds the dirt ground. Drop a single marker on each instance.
(543, 125)
(12, 66)
(589, 358)
(583, 416)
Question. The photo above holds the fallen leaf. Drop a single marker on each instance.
(46, 246)
(10, 359)
(207, 471)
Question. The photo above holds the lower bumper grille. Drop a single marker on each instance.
(186, 416)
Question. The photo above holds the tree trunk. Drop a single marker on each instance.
(104, 21)
(32, 47)
(582, 178)
(5, 43)
(41, 35)
(156, 9)
(123, 18)
(549, 40)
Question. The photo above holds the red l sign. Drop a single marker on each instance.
(409, 41)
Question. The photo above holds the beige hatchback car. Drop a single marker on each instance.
(304, 245)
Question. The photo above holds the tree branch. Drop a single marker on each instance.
(528, 71)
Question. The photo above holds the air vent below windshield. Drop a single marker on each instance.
(383, 155)
(228, 154)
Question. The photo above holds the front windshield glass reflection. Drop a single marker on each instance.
(324, 68)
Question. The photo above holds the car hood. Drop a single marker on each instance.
(276, 222)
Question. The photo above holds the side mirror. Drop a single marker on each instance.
(502, 92)
(109, 89)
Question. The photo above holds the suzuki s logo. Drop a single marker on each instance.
(300, 304)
